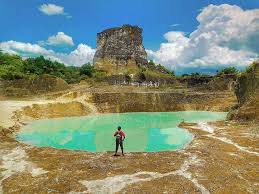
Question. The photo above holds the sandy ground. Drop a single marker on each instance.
(7, 108)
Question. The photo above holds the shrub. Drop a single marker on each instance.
(87, 69)
(227, 70)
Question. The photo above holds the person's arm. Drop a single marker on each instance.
(123, 135)
(115, 133)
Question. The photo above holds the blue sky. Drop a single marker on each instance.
(25, 23)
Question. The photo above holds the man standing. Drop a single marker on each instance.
(120, 136)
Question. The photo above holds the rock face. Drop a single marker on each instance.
(120, 50)
(119, 102)
(55, 110)
(248, 83)
(247, 92)
(41, 84)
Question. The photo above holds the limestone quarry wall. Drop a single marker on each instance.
(120, 50)
(161, 102)
(41, 84)
(81, 103)
(248, 83)
(247, 92)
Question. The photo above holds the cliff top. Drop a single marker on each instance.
(125, 27)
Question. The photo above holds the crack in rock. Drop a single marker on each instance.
(228, 141)
(15, 162)
(117, 183)
(206, 127)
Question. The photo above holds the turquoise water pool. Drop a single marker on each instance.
(145, 132)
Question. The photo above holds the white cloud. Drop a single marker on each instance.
(81, 55)
(26, 48)
(52, 9)
(174, 25)
(60, 39)
(170, 52)
(226, 35)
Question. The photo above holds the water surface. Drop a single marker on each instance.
(149, 132)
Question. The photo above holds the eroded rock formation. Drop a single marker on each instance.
(119, 102)
(248, 84)
(37, 85)
(247, 92)
(120, 50)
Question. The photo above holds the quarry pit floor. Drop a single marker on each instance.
(222, 158)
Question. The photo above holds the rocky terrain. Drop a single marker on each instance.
(104, 100)
(162, 101)
(120, 50)
(247, 92)
(222, 158)
(24, 87)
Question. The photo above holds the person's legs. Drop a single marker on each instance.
(121, 145)
(117, 146)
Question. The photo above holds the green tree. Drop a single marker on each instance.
(172, 73)
(14, 67)
(151, 64)
(87, 69)
(227, 70)
(10, 66)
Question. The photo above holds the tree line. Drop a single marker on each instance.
(13, 67)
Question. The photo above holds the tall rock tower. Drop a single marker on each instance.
(120, 50)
